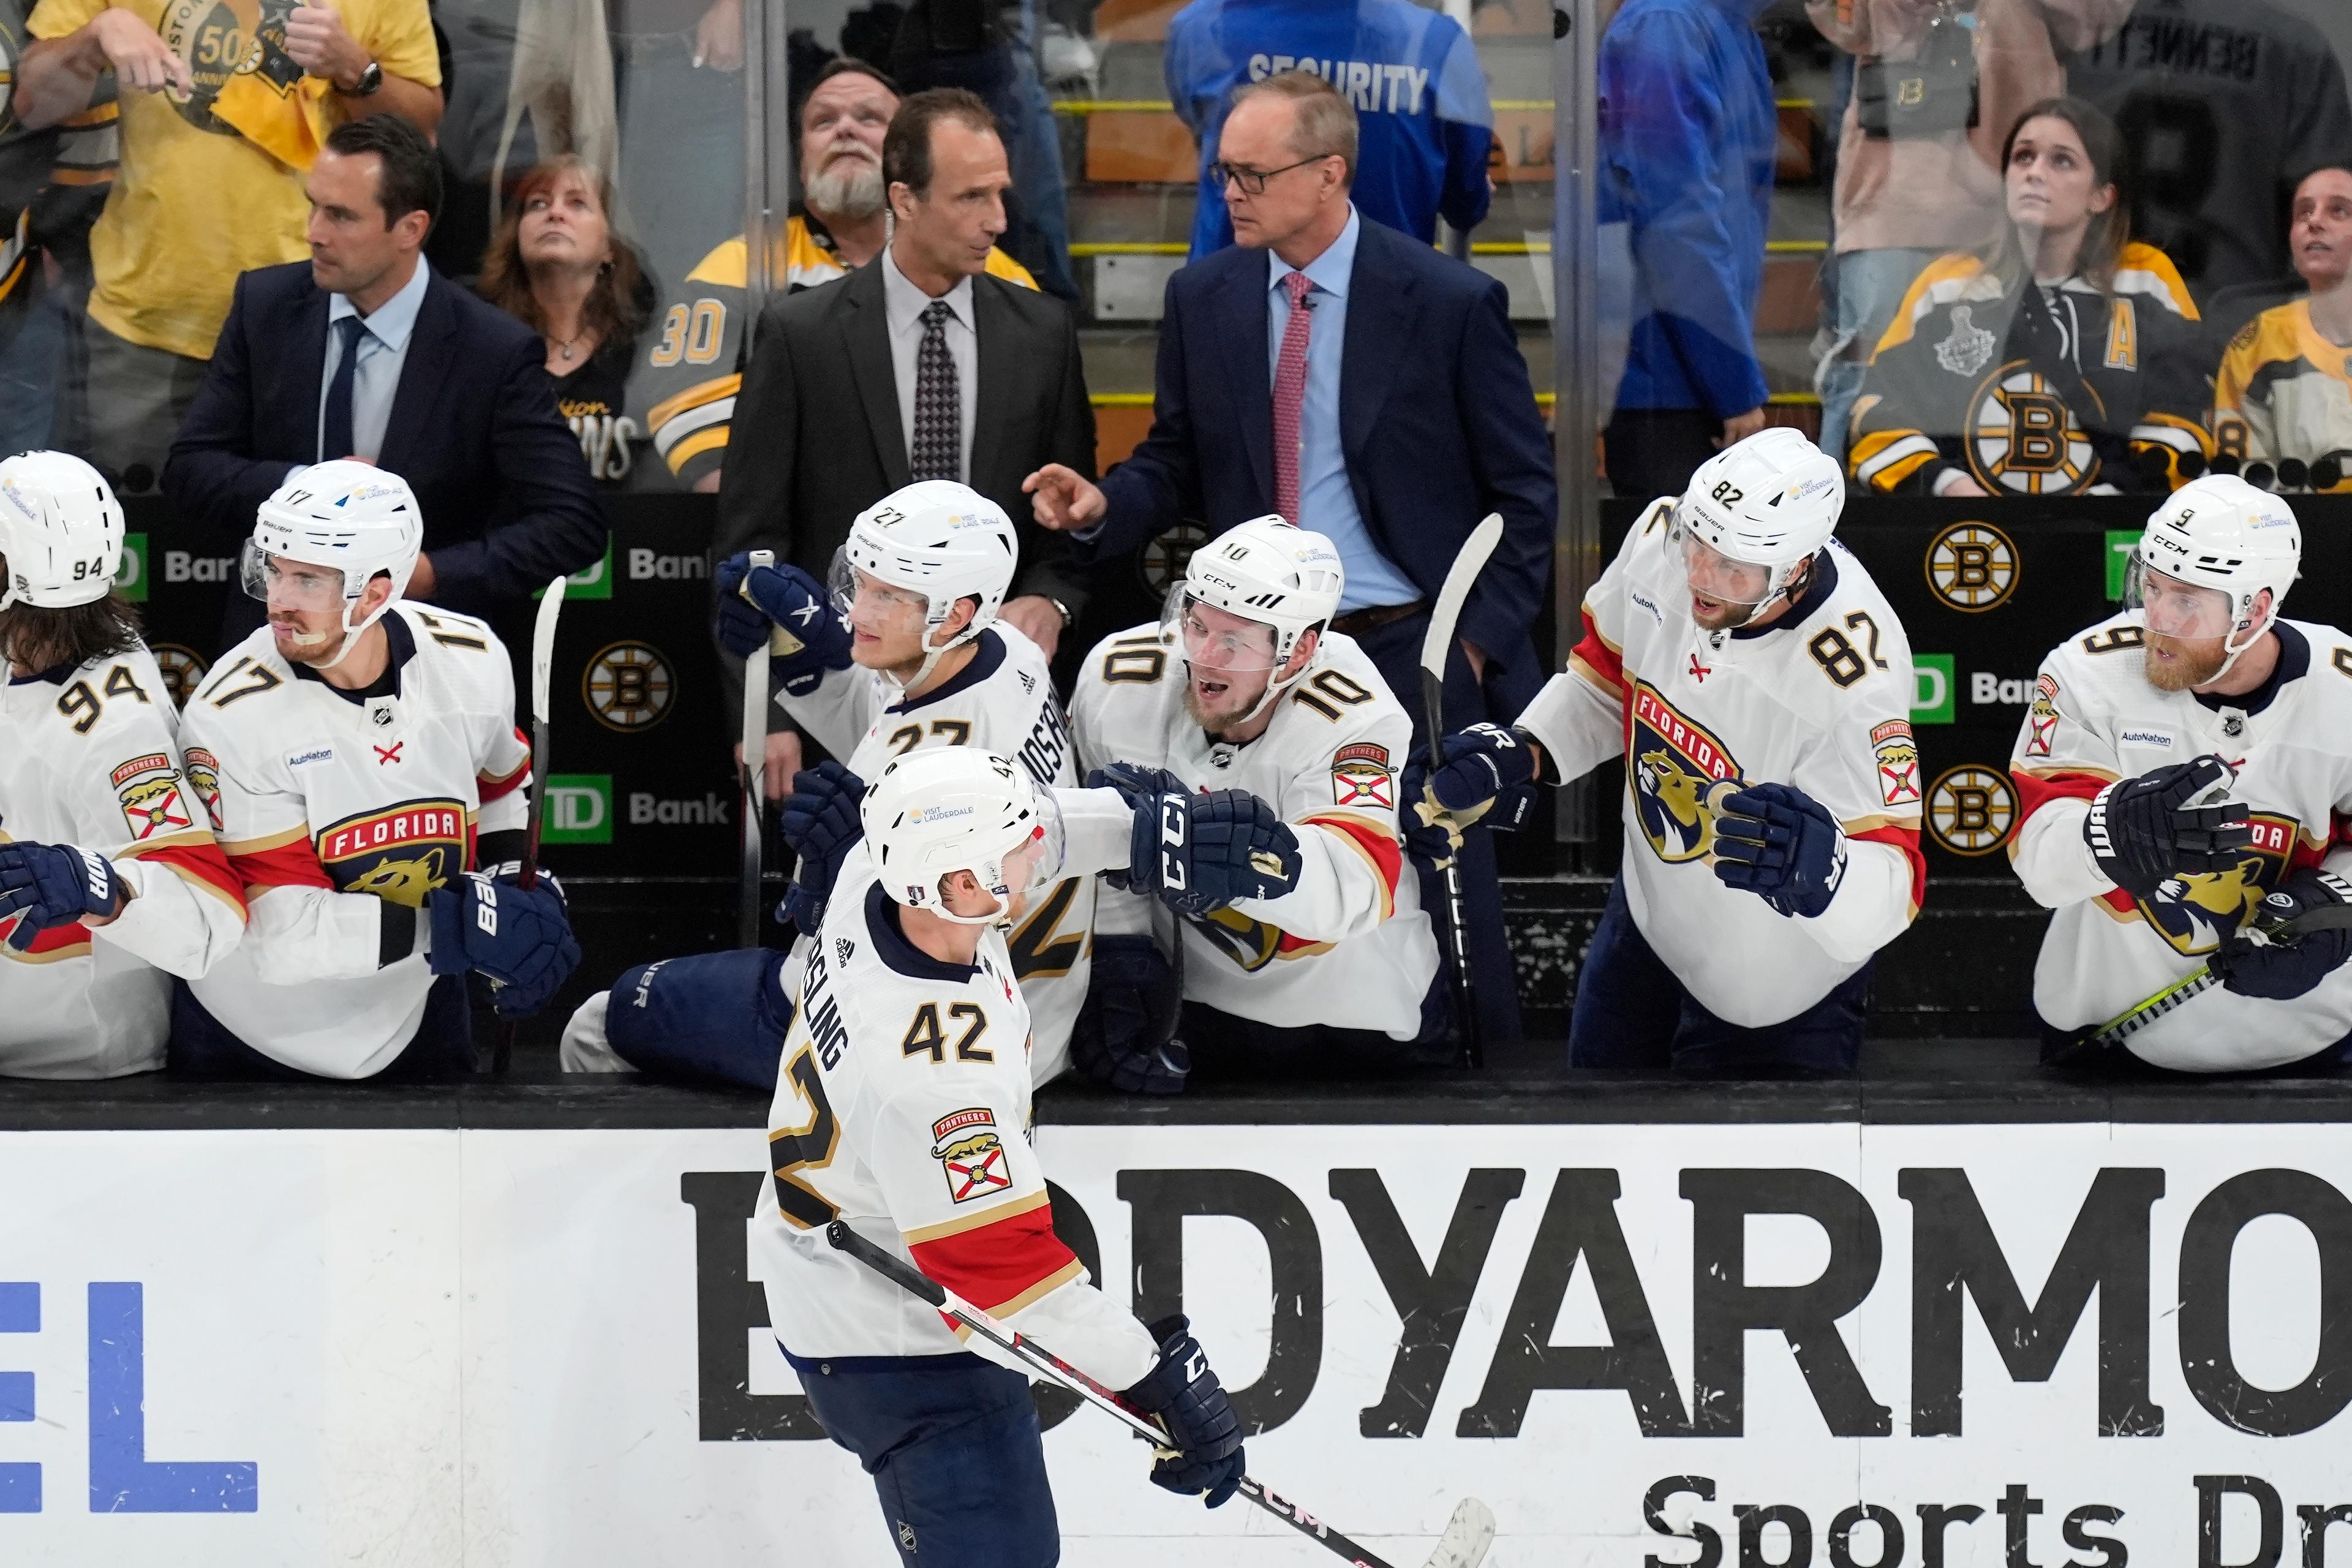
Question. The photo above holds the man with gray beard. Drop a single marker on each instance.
(694, 361)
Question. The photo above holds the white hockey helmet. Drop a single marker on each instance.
(346, 514)
(2220, 532)
(1772, 501)
(1265, 570)
(943, 809)
(937, 539)
(60, 530)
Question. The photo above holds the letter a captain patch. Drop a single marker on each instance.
(966, 1145)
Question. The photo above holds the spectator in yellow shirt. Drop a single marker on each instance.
(2284, 393)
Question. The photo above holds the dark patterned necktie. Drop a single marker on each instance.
(938, 446)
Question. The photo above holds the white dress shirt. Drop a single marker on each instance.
(382, 351)
(903, 307)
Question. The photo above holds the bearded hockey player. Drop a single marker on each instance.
(902, 1108)
(109, 879)
(363, 762)
(1243, 686)
(902, 652)
(1759, 689)
(2198, 690)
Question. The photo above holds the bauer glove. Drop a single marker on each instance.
(820, 825)
(1781, 844)
(520, 938)
(54, 885)
(1125, 1035)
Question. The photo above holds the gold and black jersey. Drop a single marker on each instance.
(2054, 396)
(2285, 391)
(44, 173)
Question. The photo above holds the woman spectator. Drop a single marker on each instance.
(556, 265)
(2283, 395)
(2060, 361)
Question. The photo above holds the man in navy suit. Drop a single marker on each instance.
(1408, 416)
(364, 352)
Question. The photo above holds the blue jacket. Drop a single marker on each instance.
(1413, 75)
(1688, 133)
(1436, 418)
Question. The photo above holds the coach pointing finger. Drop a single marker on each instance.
(1063, 498)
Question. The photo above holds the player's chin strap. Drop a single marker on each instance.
(2231, 649)
(931, 656)
(1275, 687)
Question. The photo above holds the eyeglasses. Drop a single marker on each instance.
(1253, 181)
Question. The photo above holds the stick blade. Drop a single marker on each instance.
(542, 648)
(1467, 1536)
(1446, 612)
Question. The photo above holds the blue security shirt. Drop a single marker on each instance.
(1326, 503)
(1688, 133)
(1425, 128)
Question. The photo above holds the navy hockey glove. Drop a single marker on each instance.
(1204, 1435)
(753, 605)
(1434, 834)
(54, 885)
(1777, 842)
(520, 938)
(1200, 852)
(2264, 960)
(820, 825)
(510, 872)
(1125, 1035)
(2145, 831)
(1482, 763)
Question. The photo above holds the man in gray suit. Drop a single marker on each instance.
(918, 366)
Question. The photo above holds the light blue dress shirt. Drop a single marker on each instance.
(1326, 504)
(382, 349)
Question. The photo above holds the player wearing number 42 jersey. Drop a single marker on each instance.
(109, 879)
(1758, 687)
(2186, 778)
(902, 1110)
(364, 761)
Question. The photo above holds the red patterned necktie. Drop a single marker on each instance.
(1290, 393)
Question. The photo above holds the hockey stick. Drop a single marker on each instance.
(1467, 1534)
(1444, 617)
(542, 669)
(2116, 1030)
(755, 780)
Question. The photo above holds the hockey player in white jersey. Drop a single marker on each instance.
(365, 763)
(109, 879)
(2185, 777)
(1243, 686)
(902, 1108)
(1758, 687)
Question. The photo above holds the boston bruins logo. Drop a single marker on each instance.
(628, 687)
(2194, 913)
(223, 38)
(1670, 763)
(1972, 566)
(1164, 557)
(184, 671)
(1970, 809)
(2023, 439)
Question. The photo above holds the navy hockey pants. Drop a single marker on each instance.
(955, 1451)
(1630, 1012)
(713, 1018)
(202, 1045)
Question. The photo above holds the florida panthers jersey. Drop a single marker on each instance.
(1002, 701)
(2094, 719)
(92, 757)
(1349, 946)
(340, 812)
(1820, 699)
(902, 1107)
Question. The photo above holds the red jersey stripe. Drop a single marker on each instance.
(205, 864)
(996, 1263)
(493, 787)
(294, 864)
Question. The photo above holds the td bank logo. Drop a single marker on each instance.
(2121, 542)
(593, 581)
(579, 808)
(130, 577)
(1931, 688)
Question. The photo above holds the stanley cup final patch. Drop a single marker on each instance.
(966, 1145)
(149, 789)
(1898, 763)
(1361, 775)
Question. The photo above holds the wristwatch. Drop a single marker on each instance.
(1063, 610)
(369, 79)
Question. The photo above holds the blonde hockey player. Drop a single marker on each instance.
(902, 1108)
(2185, 775)
(1758, 687)
(365, 760)
(110, 880)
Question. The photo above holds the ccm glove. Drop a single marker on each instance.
(2145, 831)
(1204, 1435)
(1781, 844)
(2268, 959)
(1125, 1035)
(1200, 852)
(820, 825)
(520, 938)
(54, 885)
(812, 637)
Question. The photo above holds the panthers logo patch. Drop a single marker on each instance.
(1669, 764)
(2022, 438)
(971, 1155)
(399, 854)
(203, 777)
(1898, 763)
(2194, 913)
(1361, 775)
(149, 789)
(2044, 731)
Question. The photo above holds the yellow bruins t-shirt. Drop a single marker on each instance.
(197, 200)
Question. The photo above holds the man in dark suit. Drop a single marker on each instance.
(364, 352)
(918, 366)
(1361, 385)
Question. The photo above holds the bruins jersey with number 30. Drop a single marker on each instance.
(1819, 699)
(331, 809)
(1951, 386)
(2094, 719)
(902, 1108)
